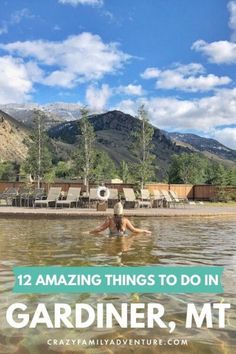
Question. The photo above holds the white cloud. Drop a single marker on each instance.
(97, 98)
(60, 78)
(18, 16)
(189, 77)
(232, 18)
(109, 15)
(221, 52)
(226, 136)
(128, 106)
(81, 2)
(78, 58)
(204, 114)
(35, 73)
(132, 90)
(224, 51)
(150, 73)
(15, 18)
(16, 82)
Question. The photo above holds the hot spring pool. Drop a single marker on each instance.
(174, 241)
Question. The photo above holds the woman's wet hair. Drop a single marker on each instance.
(118, 221)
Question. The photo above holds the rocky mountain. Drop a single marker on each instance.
(64, 111)
(60, 112)
(12, 137)
(113, 130)
(209, 147)
(55, 112)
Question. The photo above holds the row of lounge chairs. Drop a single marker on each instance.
(54, 193)
(21, 196)
(73, 197)
(156, 199)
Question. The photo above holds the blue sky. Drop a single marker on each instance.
(175, 56)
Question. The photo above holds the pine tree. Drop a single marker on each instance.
(187, 168)
(124, 172)
(103, 168)
(39, 160)
(142, 147)
(85, 155)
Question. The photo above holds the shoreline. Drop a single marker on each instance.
(52, 213)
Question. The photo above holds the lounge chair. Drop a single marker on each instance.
(130, 198)
(145, 199)
(53, 195)
(167, 199)
(113, 197)
(39, 193)
(176, 199)
(2, 196)
(35, 194)
(73, 196)
(22, 199)
(157, 199)
(9, 194)
(93, 197)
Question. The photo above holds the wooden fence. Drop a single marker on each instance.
(192, 192)
(209, 192)
(182, 190)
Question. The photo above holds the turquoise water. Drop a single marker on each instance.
(174, 241)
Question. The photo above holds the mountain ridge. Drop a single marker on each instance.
(207, 146)
(12, 138)
(114, 133)
(60, 112)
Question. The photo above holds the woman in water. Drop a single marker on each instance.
(118, 224)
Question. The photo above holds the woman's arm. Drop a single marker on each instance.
(131, 228)
(101, 228)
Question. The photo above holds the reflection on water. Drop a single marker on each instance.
(173, 242)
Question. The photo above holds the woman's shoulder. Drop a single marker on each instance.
(125, 219)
